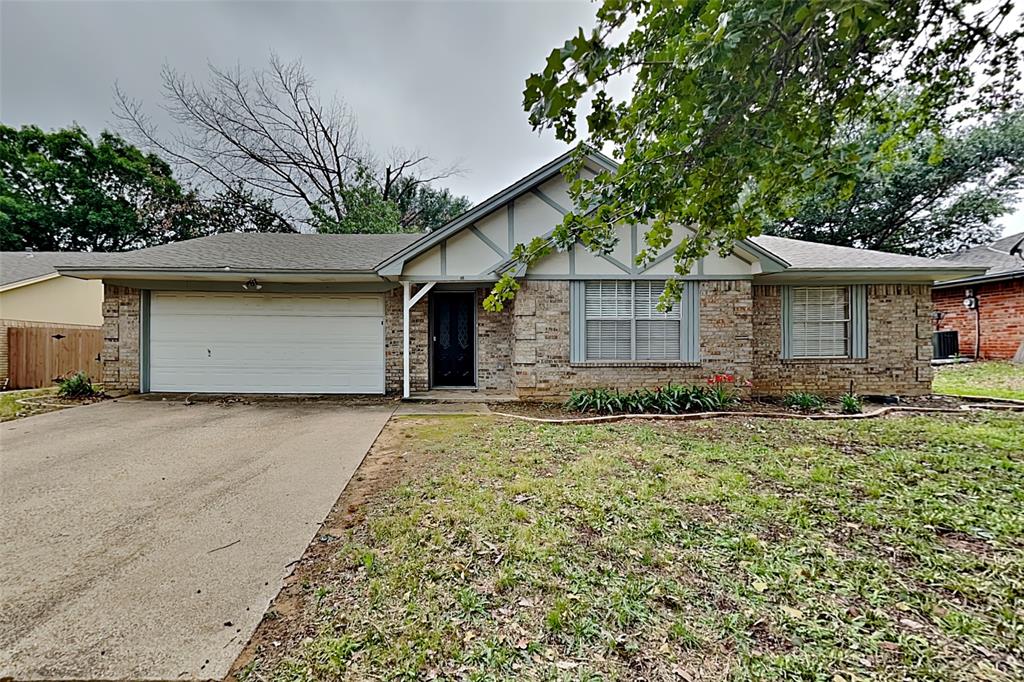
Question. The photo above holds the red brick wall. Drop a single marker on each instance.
(1001, 313)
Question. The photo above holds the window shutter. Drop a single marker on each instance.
(577, 321)
(859, 321)
(787, 322)
(690, 309)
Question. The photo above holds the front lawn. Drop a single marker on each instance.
(877, 550)
(989, 379)
(10, 408)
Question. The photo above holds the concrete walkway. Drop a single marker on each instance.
(145, 539)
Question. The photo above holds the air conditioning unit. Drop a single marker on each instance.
(945, 344)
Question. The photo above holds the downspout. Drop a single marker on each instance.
(977, 328)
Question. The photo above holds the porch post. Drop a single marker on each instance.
(406, 289)
(407, 304)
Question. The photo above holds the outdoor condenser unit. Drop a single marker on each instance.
(945, 344)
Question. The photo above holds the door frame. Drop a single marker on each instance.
(430, 338)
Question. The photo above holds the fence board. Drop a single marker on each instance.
(36, 356)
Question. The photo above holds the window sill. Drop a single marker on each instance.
(823, 361)
(634, 363)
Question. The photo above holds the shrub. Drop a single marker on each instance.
(78, 385)
(595, 400)
(805, 402)
(851, 403)
(719, 393)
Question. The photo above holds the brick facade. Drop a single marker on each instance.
(899, 348)
(1000, 314)
(540, 354)
(393, 341)
(121, 329)
(525, 349)
(494, 349)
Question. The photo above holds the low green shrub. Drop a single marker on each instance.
(78, 385)
(851, 403)
(719, 394)
(805, 402)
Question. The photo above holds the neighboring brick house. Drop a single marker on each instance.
(993, 329)
(273, 313)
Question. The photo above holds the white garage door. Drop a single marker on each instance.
(266, 343)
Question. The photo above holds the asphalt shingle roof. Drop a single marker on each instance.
(995, 256)
(16, 266)
(363, 252)
(803, 255)
(268, 252)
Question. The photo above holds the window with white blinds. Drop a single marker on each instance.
(622, 322)
(820, 322)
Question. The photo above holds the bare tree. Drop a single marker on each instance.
(268, 131)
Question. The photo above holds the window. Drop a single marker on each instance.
(819, 322)
(622, 322)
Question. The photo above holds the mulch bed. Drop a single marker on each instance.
(552, 410)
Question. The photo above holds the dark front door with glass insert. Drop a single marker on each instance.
(452, 339)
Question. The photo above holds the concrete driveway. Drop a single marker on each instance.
(145, 539)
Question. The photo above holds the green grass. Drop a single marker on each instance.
(733, 550)
(990, 379)
(9, 408)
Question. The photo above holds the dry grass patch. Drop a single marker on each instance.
(888, 549)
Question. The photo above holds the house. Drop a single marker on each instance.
(304, 313)
(993, 328)
(33, 294)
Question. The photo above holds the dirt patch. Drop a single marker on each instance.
(19, 407)
(287, 622)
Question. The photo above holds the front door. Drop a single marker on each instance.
(453, 337)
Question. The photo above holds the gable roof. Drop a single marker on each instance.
(538, 177)
(261, 252)
(21, 268)
(1002, 259)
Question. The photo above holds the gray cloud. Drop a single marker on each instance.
(443, 77)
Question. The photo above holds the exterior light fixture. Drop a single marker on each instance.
(252, 285)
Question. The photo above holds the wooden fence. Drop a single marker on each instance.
(38, 355)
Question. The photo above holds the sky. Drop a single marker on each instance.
(444, 78)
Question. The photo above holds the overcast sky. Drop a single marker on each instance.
(443, 77)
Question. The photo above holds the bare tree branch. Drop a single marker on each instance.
(267, 132)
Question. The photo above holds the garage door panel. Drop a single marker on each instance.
(280, 305)
(267, 344)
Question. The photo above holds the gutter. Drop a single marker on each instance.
(981, 279)
(213, 274)
(30, 280)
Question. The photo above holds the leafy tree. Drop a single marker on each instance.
(236, 208)
(737, 107)
(62, 191)
(425, 208)
(921, 205)
(364, 209)
(269, 132)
